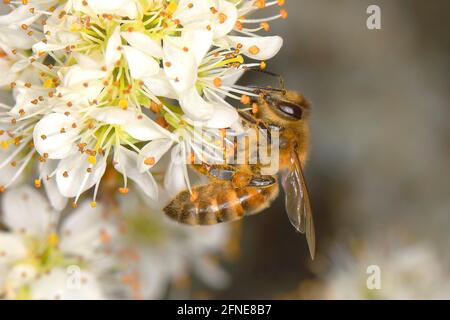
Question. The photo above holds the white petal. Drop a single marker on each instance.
(154, 274)
(141, 41)
(139, 127)
(128, 10)
(20, 65)
(263, 48)
(88, 62)
(66, 284)
(211, 273)
(194, 13)
(125, 161)
(174, 180)
(12, 248)
(24, 209)
(223, 117)
(230, 11)
(48, 138)
(180, 66)
(17, 17)
(72, 177)
(57, 201)
(45, 47)
(78, 75)
(198, 42)
(113, 54)
(82, 231)
(141, 65)
(16, 39)
(194, 106)
(20, 275)
(110, 6)
(159, 86)
(154, 149)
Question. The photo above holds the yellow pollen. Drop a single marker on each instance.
(254, 50)
(53, 239)
(94, 204)
(123, 103)
(49, 84)
(37, 183)
(222, 18)
(150, 161)
(92, 160)
(260, 4)
(123, 190)
(245, 99)
(171, 7)
(217, 82)
(74, 27)
(5, 145)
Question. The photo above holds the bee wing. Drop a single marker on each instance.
(298, 205)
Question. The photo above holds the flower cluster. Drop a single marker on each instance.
(121, 83)
(93, 254)
(105, 95)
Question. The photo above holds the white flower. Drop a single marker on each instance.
(128, 82)
(161, 252)
(405, 271)
(124, 8)
(83, 142)
(14, 28)
(40, 261)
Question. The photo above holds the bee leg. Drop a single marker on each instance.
(263, 128)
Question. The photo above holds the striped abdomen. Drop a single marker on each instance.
(218, 202)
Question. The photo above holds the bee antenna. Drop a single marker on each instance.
(280, 78)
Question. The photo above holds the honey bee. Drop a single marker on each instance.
(235, 191)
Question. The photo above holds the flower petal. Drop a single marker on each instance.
(139, 127)
(227, 16)
(54, 134)
(198, 42)
(180, 66)
(72, 176)
(174, 180)
(141, 65)
(125, 162)
(193, 13)
(194, 106)
(77, 75)
(113, 54)
(24, 209)
(141, 41)
(159, 86)
(12, 248)
(84, 231)
(223, 117)
(153, 150)
(57, 201)
(70, 284)
(259, 48)
(18, 16)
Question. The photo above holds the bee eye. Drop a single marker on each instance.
(290, 109)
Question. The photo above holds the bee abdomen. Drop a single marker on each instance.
(219, 202)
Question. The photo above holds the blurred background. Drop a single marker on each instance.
(379, 164)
